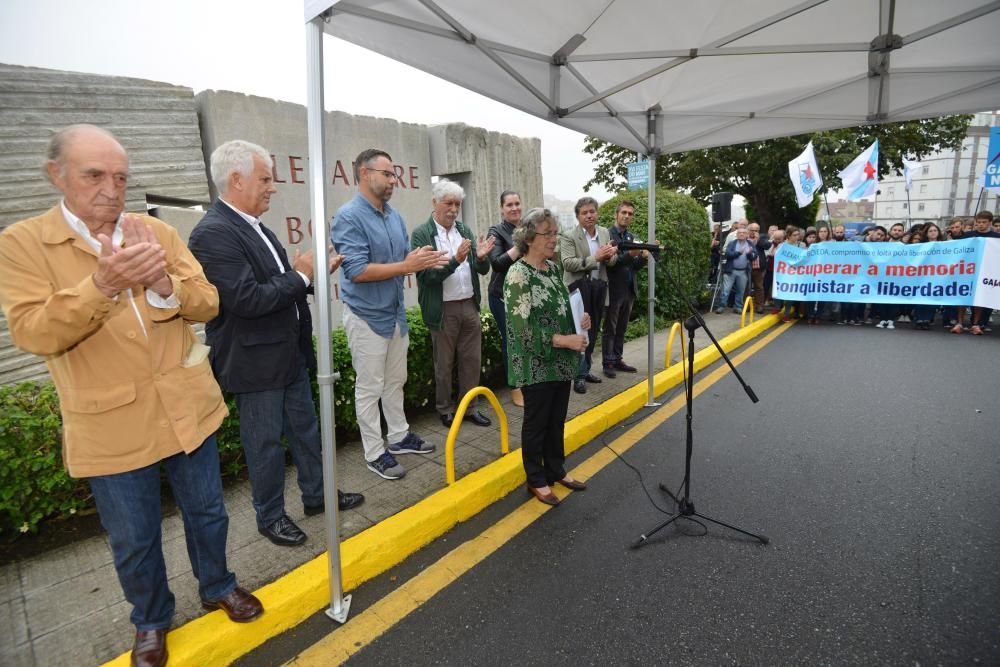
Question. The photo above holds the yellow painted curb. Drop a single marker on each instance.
(214, 640)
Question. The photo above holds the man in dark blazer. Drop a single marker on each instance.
(621, 291)
(261, 341)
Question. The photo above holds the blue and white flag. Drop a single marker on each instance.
(805, 176)
(909, 169)
(991, 177)
(860, 178)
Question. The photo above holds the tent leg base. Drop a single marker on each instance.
(345, 608)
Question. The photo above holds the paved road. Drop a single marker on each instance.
(873, 464)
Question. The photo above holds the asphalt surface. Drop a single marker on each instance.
(872, 462)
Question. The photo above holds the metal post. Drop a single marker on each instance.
(339, 604)
(651, 264)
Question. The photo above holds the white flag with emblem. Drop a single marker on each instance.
(805, 176)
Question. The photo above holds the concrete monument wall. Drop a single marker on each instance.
(484, 163)
(156, 122)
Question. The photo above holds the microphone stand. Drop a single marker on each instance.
(685, 506)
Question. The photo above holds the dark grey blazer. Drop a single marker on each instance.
(262, 335)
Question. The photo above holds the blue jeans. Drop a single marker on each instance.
(129, 506)
(500, 315)
(264, 416)
(736, 279)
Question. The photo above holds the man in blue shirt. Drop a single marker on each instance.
(371, 235)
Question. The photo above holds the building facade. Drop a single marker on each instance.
(949, 184)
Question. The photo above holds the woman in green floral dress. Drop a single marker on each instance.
(543, 351)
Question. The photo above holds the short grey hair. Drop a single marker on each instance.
(526, 232)
(235, 156)
(445, 188)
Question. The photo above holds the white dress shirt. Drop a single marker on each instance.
(592, 242)
(152, 298)
(457, 286)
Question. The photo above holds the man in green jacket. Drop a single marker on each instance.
(449, 299)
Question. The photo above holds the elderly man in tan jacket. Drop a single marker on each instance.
(586, 252)
(107, 299)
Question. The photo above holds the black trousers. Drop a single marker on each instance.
(615, 322)
(593, 292)
(542, 450)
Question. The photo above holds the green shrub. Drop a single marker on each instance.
(34, 486)
(231, 462)
(33, 483)
(682, 226)
(637, 327)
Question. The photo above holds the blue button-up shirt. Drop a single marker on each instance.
(364, 235)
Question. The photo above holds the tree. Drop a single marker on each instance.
(759, 171)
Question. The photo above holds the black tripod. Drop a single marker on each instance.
(685, 507)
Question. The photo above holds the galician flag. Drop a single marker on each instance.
(805, 176)
(860, 178)
(909, 169)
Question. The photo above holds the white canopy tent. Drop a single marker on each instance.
(664, 76)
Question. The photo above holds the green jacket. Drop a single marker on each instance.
(429, 281)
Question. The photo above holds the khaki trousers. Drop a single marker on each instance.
(457, 345)
(380, 366)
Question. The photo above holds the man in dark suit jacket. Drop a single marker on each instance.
(261, 341)
(621, 291)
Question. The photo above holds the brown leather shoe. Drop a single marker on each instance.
(150, 648)
(572, 484)
(240, 605)
(547, 498)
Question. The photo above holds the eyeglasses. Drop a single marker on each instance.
(547, 233)
(384, 172)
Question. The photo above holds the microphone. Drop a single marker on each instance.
(629, 245)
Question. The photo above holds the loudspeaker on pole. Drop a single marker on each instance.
(721, 211)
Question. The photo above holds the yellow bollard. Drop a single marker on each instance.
(449, 447)
(674, 330)
(747, 306)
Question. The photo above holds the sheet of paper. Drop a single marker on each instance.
(576, 305)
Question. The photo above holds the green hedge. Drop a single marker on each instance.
(682, 226)
(34, 486)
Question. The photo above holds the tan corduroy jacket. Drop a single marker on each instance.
(128, 398)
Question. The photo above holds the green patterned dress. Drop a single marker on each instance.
(537, 306)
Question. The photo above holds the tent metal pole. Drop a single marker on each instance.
(339, 604)
(651, 263)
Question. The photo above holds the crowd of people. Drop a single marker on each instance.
(743, 266)
(109, 298)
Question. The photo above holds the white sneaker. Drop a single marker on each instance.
(890, 325)
(880, 325)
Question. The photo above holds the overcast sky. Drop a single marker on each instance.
(258, 47)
